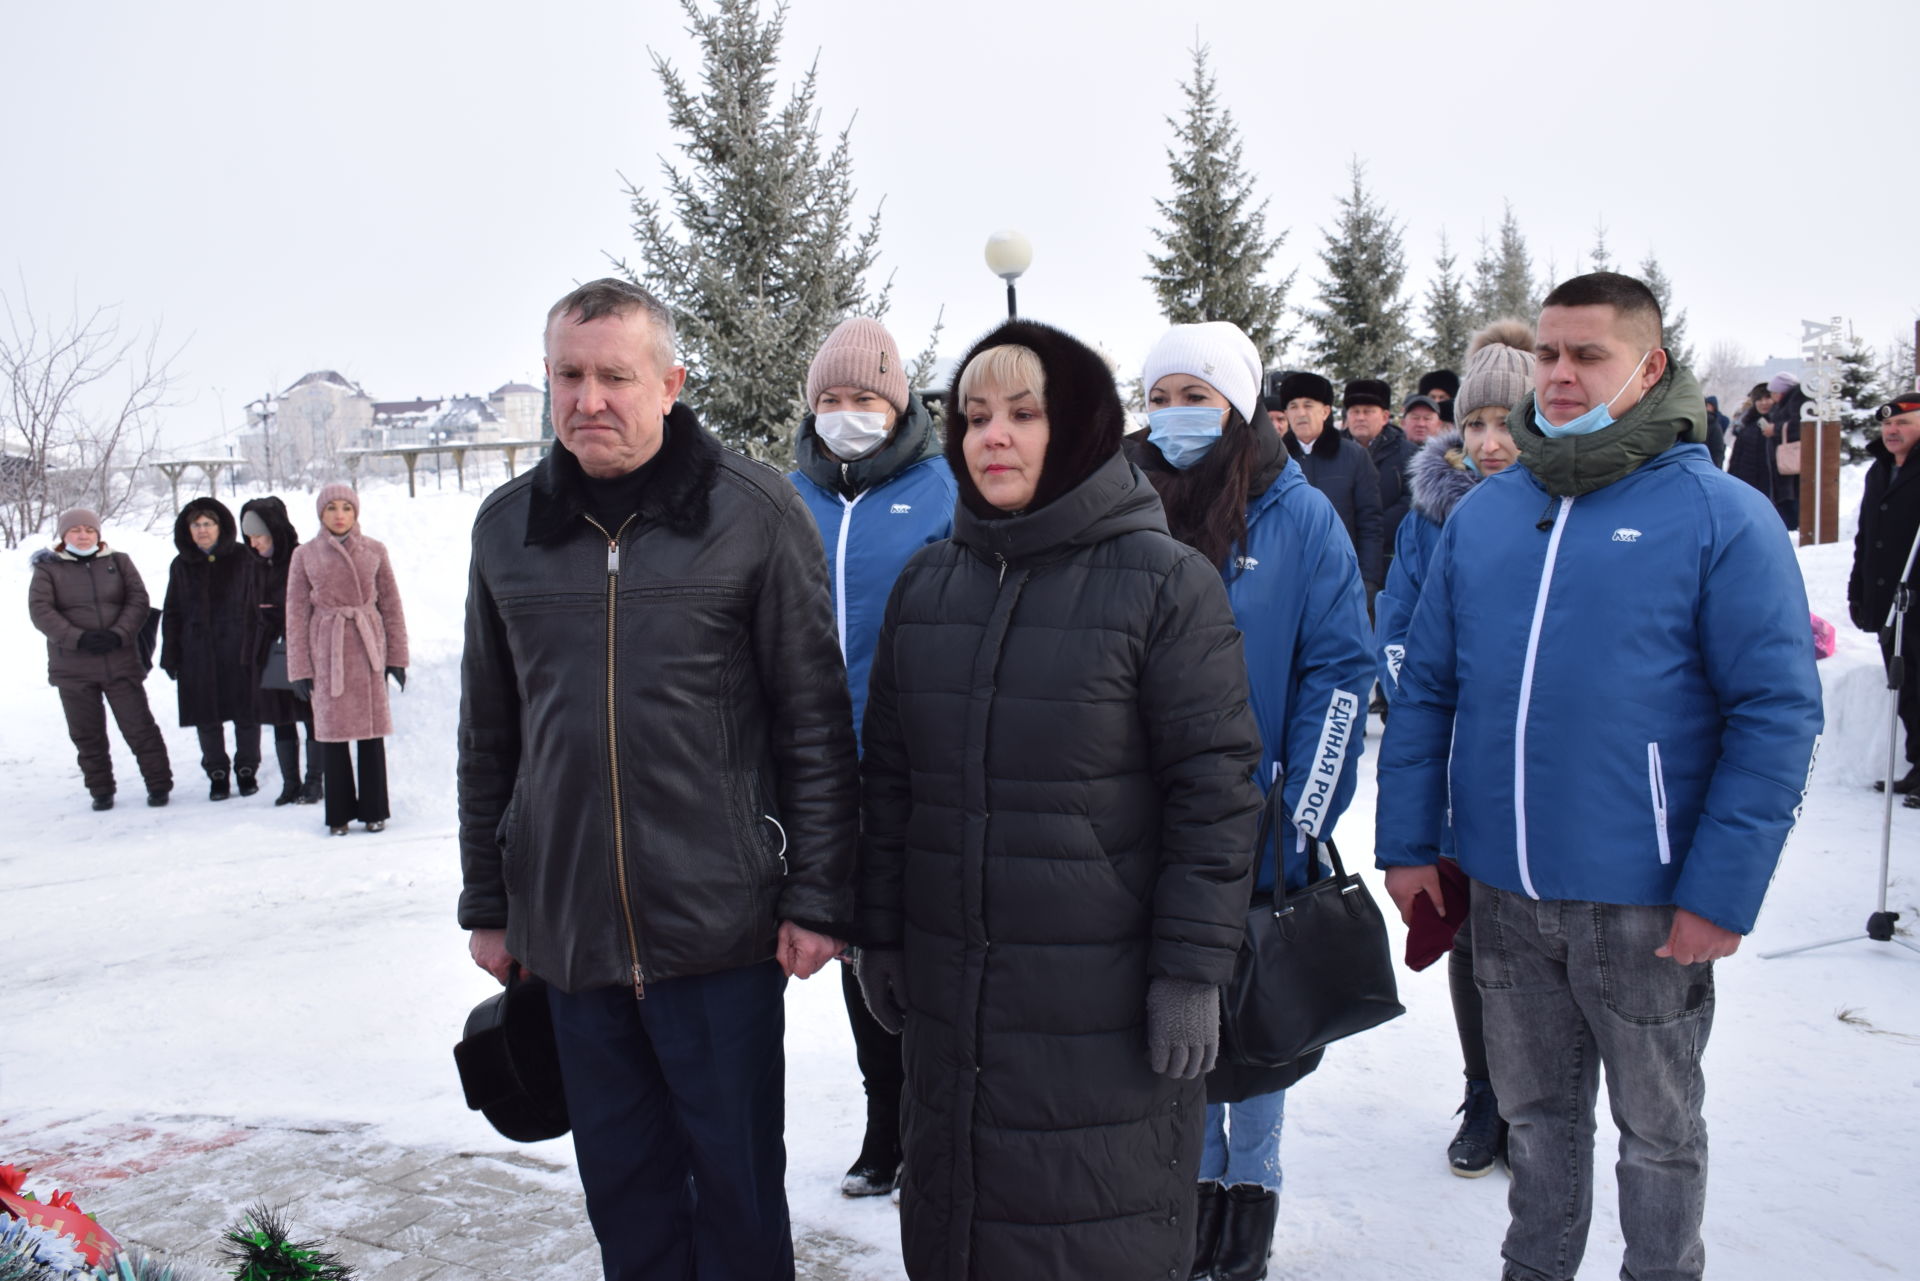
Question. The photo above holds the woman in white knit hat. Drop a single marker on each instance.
(1499, 372)
(1232, 492)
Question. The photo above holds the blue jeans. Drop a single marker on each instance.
(1243, 1141)
(678, 1110)
(1569, 987)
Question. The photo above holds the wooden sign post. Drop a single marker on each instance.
(1819, 483)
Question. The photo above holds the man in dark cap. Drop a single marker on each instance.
(1889, 523)
(1301, 408)
(1369, 421)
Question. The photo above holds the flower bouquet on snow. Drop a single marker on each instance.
(52, 1239)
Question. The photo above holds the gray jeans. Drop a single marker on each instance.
(1568, 987)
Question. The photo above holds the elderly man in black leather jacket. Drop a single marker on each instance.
(657, 788)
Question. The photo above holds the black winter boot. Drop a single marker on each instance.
(248, 783)
(219, 790)
(1246, 1233)
(156, 800)
(1208, 1213)
(1905, 785)
(877, 1168)
(288, 752)
(311, 792)
(1482, 1137)
(104, 801)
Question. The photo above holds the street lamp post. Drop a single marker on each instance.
(1008, 256)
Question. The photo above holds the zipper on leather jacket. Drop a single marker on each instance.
(1002, 560)
(613, 756)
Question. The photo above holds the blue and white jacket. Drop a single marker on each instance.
(874, 514)
(1620, 683)
(1297, 597)
(1437, 479)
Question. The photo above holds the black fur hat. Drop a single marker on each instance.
(1367, 391)
(1085, 418)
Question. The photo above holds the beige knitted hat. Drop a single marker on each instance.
(859, 353)
(1499, 368)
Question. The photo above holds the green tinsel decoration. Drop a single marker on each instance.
(260, 1250)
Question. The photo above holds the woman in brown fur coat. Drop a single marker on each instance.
(345, 635)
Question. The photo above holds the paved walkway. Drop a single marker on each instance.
(172, 1185)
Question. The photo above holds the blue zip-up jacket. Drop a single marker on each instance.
(873, 516)
(1437, 479)
(1622, 683)
(1297, 597)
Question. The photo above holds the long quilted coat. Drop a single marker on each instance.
(203, 624)
(1059, 808)
(344, 629)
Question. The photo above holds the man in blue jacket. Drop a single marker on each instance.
(1610, 674)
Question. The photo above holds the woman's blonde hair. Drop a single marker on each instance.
(1007, 369)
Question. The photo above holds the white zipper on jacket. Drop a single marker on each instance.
(1657, 785)
(1526, 699)
(840, 569)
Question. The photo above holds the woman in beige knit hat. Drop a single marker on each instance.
(1499, 372)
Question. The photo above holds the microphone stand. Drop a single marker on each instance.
(1880, 924)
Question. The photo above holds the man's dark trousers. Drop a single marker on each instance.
(679, 1115)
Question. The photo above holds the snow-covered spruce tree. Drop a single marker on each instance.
(1361, 324)
(1215, 239)
(1449, 326)
(1862, 393)
(1503, 277)
(759, 258)
(1673, 321)
(1599, 258)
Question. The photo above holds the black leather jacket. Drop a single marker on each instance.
(656, 760)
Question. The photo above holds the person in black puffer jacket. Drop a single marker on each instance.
(269, 532)
(1889, 523)
(1784, 420)
(1058, 850)
(1752, 459)
(202, 644)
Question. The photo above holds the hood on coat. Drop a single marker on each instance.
(1117, 499)
(1084, 415)
(47, 555)
(1672, 411)
(913, 440)
(679, 494)
(273, 513)
(1439, 476)
(229, 532)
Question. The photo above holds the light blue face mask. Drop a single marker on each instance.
(1184, 433)
(1599, 418)
(75, 551)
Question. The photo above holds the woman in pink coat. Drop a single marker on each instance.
(345, 635)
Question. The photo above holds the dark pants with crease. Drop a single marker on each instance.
(678, 1109)
(1571, 987)
(83, 701)
(347, 802)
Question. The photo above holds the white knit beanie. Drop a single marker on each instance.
(1216, 351)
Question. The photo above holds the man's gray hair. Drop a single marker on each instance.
(611, 296)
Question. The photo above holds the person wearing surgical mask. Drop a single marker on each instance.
(1232, 491)
(868, 462)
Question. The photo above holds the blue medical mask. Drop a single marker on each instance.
(1599, 418)
(1184, 433)
(75, 551)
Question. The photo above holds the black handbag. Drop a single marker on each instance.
(1315, 965)
(274, 674)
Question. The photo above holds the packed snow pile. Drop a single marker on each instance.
(233, 960)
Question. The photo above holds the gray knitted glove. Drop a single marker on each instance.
(883, 983)
(1183, 1027)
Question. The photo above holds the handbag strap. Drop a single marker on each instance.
(1270, 829)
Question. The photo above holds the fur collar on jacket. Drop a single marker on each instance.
(679, 496)
(1439, 476)
(1326, 445)
(47, 555)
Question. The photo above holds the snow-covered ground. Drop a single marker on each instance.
(233, 960)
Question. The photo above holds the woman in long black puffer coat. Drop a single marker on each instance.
(1059, 825)
(202, 644)
(270, 533)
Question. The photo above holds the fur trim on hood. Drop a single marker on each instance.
(1084, 415)
(1440, 477)
(229, 531)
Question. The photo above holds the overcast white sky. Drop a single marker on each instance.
(398, 190)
